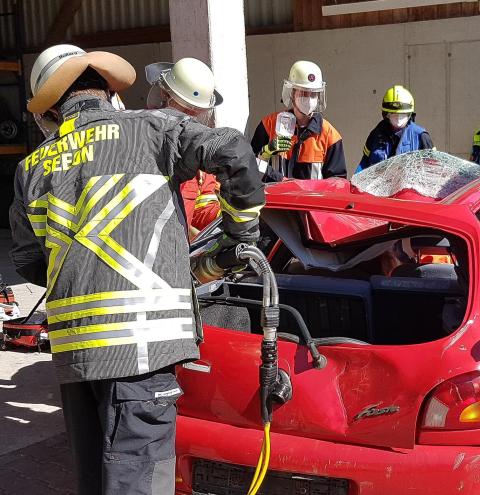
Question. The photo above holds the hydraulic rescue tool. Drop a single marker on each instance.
(275, 384)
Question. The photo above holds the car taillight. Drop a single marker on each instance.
(454, 404)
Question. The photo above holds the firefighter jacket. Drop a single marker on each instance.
(95, 220)
(384, 142)
(200, 200)
(316, 153)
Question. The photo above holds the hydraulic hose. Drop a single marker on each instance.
(268, 374)
(263, 462)
(274, 386)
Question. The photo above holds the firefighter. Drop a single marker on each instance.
(475, 156)
(397, 132)
(94, 220)
(315, 151)
(173, 86)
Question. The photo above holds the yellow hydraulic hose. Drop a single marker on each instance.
(263, 462)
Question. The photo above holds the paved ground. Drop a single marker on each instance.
(34, 456)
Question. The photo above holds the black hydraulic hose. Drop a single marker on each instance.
(319, 360)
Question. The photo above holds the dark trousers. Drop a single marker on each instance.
(122, 434)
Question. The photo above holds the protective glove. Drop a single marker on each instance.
(223, 250)
(278, 144)
(223, 243)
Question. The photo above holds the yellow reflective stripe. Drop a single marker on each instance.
(122, 309)
(84, 313)
(73, 209)
(39, 203)
(79, 206)
(52, 273)
(137, 332)
(104, 327)
(99, 296)
(103, 213)
(40, 232)
(98, 195)
(37, 218)
(142, 186)
(68, 125)
(173, 331)
(129, 207)
(205, 199)
(366, 151)
(240, 216)
(111, 262)
(60, 220)
(89, 344)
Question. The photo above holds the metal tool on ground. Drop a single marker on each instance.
(25, 331)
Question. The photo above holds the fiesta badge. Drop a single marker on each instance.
(374, 410)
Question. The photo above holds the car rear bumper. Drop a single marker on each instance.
(439, 470)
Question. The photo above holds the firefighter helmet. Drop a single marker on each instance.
(398, 99)
(306, 77)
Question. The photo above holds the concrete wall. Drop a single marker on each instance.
(438, 60)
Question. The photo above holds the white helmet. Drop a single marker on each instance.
(306, 77)
(189, 82)
(49, 61)
(59, 66)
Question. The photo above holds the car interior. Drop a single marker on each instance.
(407, 286)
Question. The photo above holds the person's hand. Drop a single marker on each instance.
(223, 250)
(278, 144)
(223, 243)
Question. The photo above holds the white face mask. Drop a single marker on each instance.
(398, 120)
(306, 104)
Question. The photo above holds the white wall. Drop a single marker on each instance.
(438, 60)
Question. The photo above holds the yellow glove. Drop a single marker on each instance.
(278, 144)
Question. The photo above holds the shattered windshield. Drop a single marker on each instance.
(433, 174)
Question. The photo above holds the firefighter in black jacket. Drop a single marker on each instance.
(315, 151)
(94, 220)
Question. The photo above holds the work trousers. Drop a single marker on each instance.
(122, 433)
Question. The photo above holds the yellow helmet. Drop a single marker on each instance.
(476, 138)
(398, 99)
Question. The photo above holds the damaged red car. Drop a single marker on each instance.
(379, 335)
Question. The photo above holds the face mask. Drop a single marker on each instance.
(398, 120)
(306, 104)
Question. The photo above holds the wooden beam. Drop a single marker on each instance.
(275, 29)
(133, 36)
(13, 149)
(9, 65)
(154, 34)
(62, 21)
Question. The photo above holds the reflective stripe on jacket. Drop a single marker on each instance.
(199, 196)
(383, 142)
(95, 208)
(316, 153)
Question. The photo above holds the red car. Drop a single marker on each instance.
(388, 289)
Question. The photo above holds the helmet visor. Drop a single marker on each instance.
(307, 100)
(154, 71)
(46, 123)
